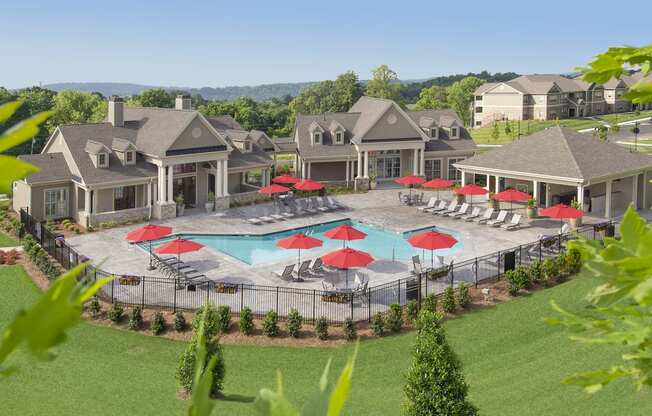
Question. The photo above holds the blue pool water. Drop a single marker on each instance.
(261, 249)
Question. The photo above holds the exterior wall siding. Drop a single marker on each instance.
(328, 171)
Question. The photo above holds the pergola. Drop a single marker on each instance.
(558, 161)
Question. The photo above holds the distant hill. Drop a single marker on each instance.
(257, 92)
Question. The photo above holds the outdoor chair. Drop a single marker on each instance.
(417, 269)
(361, 291)
(304, 268)
(485, 217)
(400, 196)
(318, 205)
(265, 218)
(460, 212)
(440, 207)
(451, 208)
(286, 213)
(431, 204)
(303, 204)
(287, 274)
(334, 204)
(277, 217)
(514, 223)
(474, 214)
(317, 266)
(502, 215)
(254, 221)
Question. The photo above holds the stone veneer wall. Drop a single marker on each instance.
(164, 211)
(117, 216)
(245, 198)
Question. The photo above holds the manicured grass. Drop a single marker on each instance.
(622, 117)
(512, 360)
(7, 241)
(483, 135)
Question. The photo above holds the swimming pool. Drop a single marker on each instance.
(262, 249)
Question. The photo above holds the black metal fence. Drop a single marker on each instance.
(165, 293)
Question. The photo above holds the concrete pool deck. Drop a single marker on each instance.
(378, 208)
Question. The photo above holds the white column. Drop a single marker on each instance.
(348, 172)
(303, 169)
(548, 196)
(225, 178)
(359, 165)
(161, 184)
(149, 194)
(535, 191)
(423, 163)
(487, 187)
(635, 191)
(463, 178)
(87, 201)
(95, 198)
(170, 182)
(580, 196)
(607, 202)
(309, 170)
(366, 164)
(219, 191)
(497, 183)
(415, 164)
(296, 164)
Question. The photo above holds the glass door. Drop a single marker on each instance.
(186, 187)
(56, 203)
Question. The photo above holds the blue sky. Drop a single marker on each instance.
(218, 43)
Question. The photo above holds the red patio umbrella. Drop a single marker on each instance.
(345, 258)
(470, 190)
(438, 184)
(285, 179)
(432, 240)
(512, 195)
(345, 232)
(410, 180)
(299, 241)
(148, 233)
(273, 189)
(561, 212)
(178, 246)
(308, 185)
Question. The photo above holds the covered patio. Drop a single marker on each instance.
(559, 165)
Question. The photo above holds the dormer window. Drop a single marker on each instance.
(434, 132)
(129, 157)
(339, 137)
(102, 160)
(455, 132)
(246, 147)
(316, 138)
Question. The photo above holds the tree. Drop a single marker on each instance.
(155, 97)
(35, 100)
(432, 98)
(435, 383)
(188, 363)
(495, 130)
(460, 96)
(508, 128)
(76, 107)
(384, 83)
(601, 132)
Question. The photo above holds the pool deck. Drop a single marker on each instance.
(378, 208)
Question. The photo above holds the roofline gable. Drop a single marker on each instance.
(502, 83)
(65, 143)
(381, 114)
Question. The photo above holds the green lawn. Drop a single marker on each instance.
(513, 363)
(622, 117)
(7, 241)
(483, 135)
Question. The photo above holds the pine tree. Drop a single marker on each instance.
(435, 384)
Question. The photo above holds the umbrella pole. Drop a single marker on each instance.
(150, 256)
(432, 259)
(299, 259)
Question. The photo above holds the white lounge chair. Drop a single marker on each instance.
(265, 218)
(460, 212)
(431, 204)
(333, 203)
(416, 264)
(451, 208)
(303, 204)
(502, 215)
(485, 217)
(287, 273)
(303, 269)
(254, 221)
(440, 207)
(475, 213)
(514, 223)
(316, 204)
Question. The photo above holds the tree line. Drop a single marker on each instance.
(275, 116)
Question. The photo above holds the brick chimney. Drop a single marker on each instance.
(183, 102)
(116, 111)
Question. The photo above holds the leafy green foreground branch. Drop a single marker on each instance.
(621, 306)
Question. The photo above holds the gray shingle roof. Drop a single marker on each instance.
(76, 136)
(307, 149)
(122, 145)
(224, 123)
(539, 84)
(445, 118)
(53, 168)
(232, 131)
(94, 147)
(561, 152)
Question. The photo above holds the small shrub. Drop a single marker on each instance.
(223, 319)
(562, 264)
(294, 323)
(463, 295)
(180, 323)
(395, 317)
(246, 323)
(158, 324)
(412, 310)
(573, 261)
(430, 303)
(550, 270)
(321, 328)
(448, 301)
(524, 277)
(270, 324)
(211, 321)
(513, 282)
(94, 308)
(136, 318)
(536, 272)
(378, 325)
(350, 332)
(115, 313)
(185, 373)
